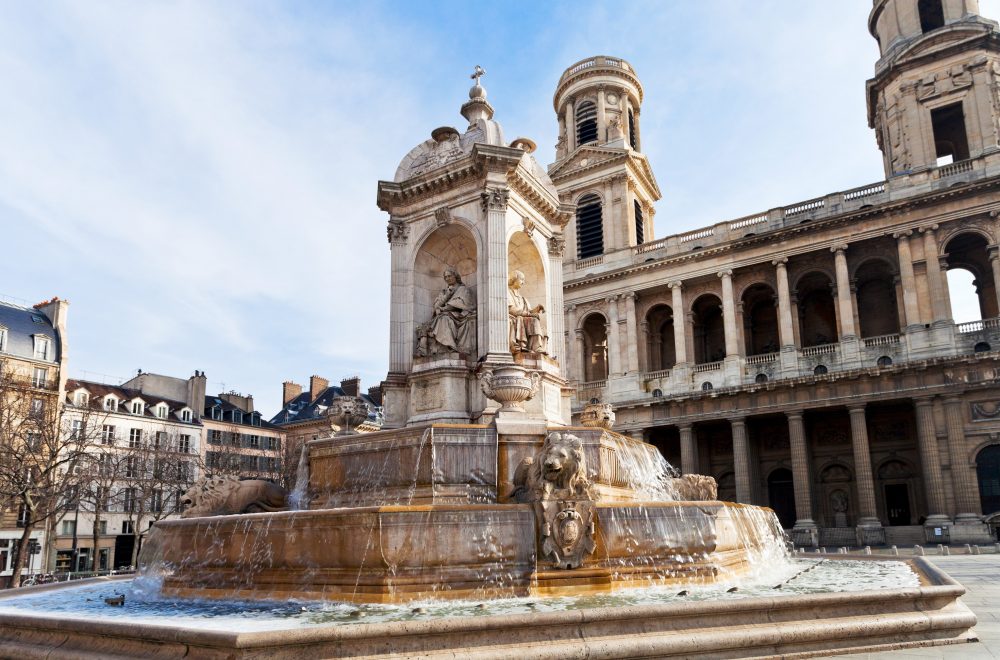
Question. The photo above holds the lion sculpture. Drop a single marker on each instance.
(558, 471)
(225, 495)
(696, 488)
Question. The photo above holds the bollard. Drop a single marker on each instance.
(997, 547)
(868, 549)
(945, 550)
(975, 549)
(918, 551)
(895, 551)
(968, 549)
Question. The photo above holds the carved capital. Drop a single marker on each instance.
(612, 299)
(676, 284)
(929, 229)
(842, 247)
(780, 262)
(724, 274)
(397, 231)
(903, 235)
(495, 199)
(571, 307)
(557, 246)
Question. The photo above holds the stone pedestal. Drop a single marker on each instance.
(870, 534)
(971, 532)
(439, 390)
(805, 533)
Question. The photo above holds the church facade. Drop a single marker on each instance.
(806, 356)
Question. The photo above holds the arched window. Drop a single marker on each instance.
(709, 330)
(988, 473)
(971, 288)
(760, 319)
(876, 294)
(638, 222)
(760, 378)
(931, 15)
(631, 131)
(817, 318)
(660, 349)
(820, 370)
(884, 361)
(589, 227)
(586, 123)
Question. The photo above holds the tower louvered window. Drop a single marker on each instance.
(638, 222)
(586, 123)
(589, 227)
(631, 131)
(931, 15)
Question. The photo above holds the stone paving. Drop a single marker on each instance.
(980, 574)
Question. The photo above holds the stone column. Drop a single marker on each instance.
(870, 530)
(680, 336)
(401, 341)
(911, 306)
(579, 359)
(571, 357)
(633, 336)
(994, 252)
(930, 462)
(805, 530)
(967, 505)
(729, 313)
(494, 202)
(785, 333)
(741, 459)
(844, 304)
(602, 123)
(935, 285)
(651, 357)
(614, 356)
(689, 450)
(557, 328)
(570, 125)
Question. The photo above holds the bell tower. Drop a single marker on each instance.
(932, 101)
(600, 168)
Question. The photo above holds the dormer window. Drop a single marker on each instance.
(3, 339)
(81, 399)
(216, 412)
(185, 415)
(138, 408)
(111, 404)
(237, 417)
(161, 411)
(42, 347)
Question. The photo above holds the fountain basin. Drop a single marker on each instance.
(401, 553)
(803, 625)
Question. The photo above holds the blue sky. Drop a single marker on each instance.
(198, 178)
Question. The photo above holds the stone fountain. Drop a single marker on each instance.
(480, 485)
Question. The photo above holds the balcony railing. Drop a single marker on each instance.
(708, 366)
(977, 326)
(882, 340)
(587, 263)
(954, 168)
(764, 358)
(822, 349)
(654, 375)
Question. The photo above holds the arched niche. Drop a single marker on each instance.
(452, 245)
(523, 255)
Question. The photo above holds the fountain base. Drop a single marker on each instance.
(394, 554)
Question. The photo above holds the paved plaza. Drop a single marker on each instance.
(980, 574)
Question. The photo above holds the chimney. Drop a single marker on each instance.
(289, 392)
(375, 394)
(244, 403)
(196, 393)
(351, 386)
(317, 386)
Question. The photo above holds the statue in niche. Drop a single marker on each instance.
(839, 504)
(452, 327)
(527, 329)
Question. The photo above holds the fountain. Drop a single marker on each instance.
(480, 488)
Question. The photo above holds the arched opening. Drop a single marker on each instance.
(589, 227)
(988, 472)
(451, 246)
(760, 320)
(817, 315)
(895, 476)
(586, 123)
(971, 287)
(633, 140)
(595, 348)
(660, 352)
(709, 330)
(726, 486)
(781, 496)
(931, 15)
(878, 310)
(836, 507)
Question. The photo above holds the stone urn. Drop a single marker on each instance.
(510, 385)
(598, 415)
(345, 412)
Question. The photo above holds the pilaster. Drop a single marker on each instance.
(494, 204)
(805, 531)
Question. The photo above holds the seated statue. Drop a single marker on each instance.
(527, 329)
(452, 328)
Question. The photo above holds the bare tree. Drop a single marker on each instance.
(39, 457)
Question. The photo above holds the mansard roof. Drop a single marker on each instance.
(99, 391)
(22, 324)
(301, 409)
